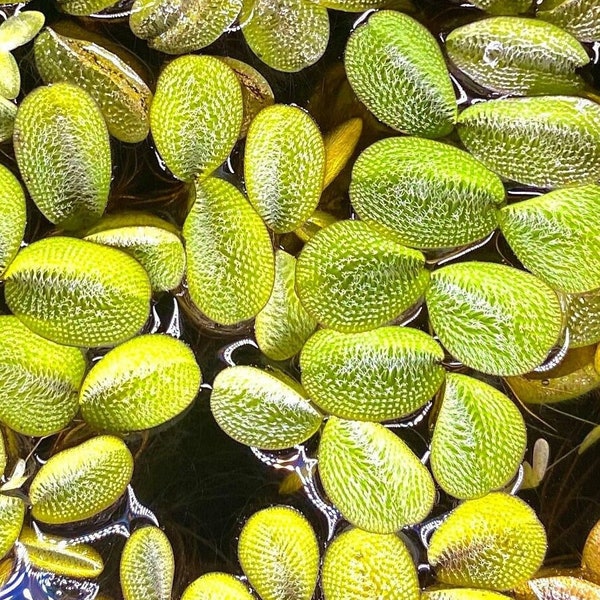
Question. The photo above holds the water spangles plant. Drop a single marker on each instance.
(431, 194)
(376, 375)
(493, 318)
(63, 124)
(279, 553)
(14, 216)
(397, 70)
(581, 18)
(216, 586)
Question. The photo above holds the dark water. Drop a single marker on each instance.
(202, 485)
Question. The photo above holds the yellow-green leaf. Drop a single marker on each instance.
(84, 7)
(580, 18)
(10, 83)
(63, 123)
(19, 29)
(8, 112)
(216, 586)
(360, 565)
(13, 216)
(230, 262)
(558, 588)
(257, 408)
(140, 384)
(196, 115)
(495, 542)
(80, 482)
(583, 318)
(284, 165)
(41, 380)
(78, 293)
(373, 477)
(279, 554)
(147, 566)
(339, 147)
(12, 513)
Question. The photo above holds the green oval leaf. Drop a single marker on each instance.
(583, 318)
(8, 112)
(230, 264)
(283, 326)
(80, 482)
(352, 276)
(147, 566)
(494, 318)
(479, 438)
(256, 91)
(39, 395)
(397, 70)
(340, 144)
(12, 513)
(279, 554)
(284, 165)
(123, 97)
(373, 477)
(560, 587)
(180, 26)
(19, 29)
(580, 18)
(77, 293)
(53, 553)
(546, 141)
(287, 35)
(217, 586)
(63, 124)
(461, 594)
(159, 251)
(10, 84)
(196, 115)
(376, 375)
(495, 542)
(360, 565)
(84, 7)
(257, 408)
(14, 216)
(432, 195)
(557, 237)
(513, 55)
(140, 384)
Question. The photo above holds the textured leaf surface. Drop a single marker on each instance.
(590, 559)
(432, 195)
(376, 375)
(494, 542)
(129, 218)
(546, 141)
(352, 276)
(123, 97)
(283, 326)
(217, 586)
(503, 7)
(462, 594)
(80, 482)
(63, 125)
(159, 251)
(479, 438)
(256, 91)
(581, 18)
(77, 293)
(573, 377)
(317, 221)
(284, 165)
(583, 318)
(196, 115)
(360, 565)
(19, 29)
(180, 26)
(287, 35)
(557, 237)
(12, 513)
(494, 318)
(360, 5)
(13, 216)
(3, 456)
(558, 588)
(10, 84)
(52, 553)
(372, 476)
(397, 70)
(8, 112)
(339, 147)
(279, 554)
(84, 7)
(41, 380)
(147, 566)
(230, 264)
(259, 409)
(140, 384)
(514, 55)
